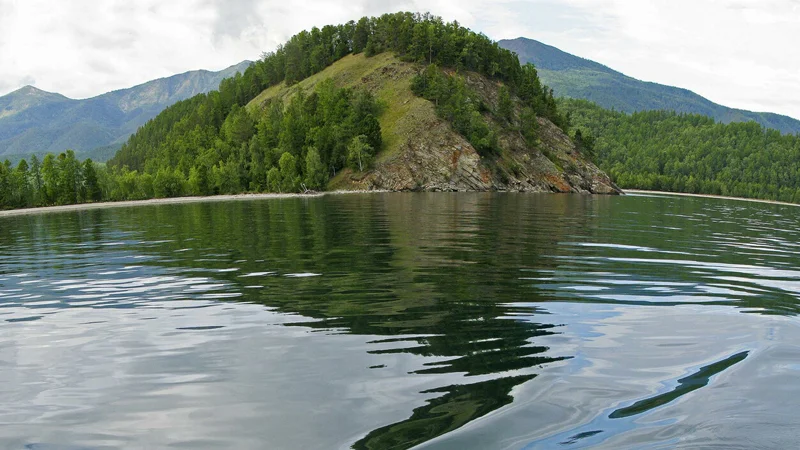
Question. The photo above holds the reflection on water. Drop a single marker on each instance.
(396, 320)
(685, 385)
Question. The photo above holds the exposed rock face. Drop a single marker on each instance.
(436, 158)
(435, 161)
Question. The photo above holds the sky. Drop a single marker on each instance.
(738, 53)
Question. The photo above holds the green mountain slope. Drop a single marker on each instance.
(33, 121)
(667, 151)
(574, 77)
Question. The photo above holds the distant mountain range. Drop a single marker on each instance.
(575, 77)
(33, 121)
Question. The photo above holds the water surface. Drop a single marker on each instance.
(389, 321)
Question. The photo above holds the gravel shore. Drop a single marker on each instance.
(722, 197)
(155, 201)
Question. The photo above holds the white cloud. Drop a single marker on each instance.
(738, 53)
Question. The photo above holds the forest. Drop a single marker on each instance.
(668, 151)
(212, 144)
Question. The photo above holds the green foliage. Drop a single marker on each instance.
(371, 130)
(168, 183)
(225, 178)
(5, 185)
(58, 180)
(290, 180)
(584, 142)
(361, 35)
(661, 150)
(239, 153)
(505, 106)
(459, 105)
(310, 136)
(359, 153)
(372, 49)
(238, 127)
(529, 126)
(314, 170)
(93, 192)
(68, 179)
(274, 179)
(198, 183)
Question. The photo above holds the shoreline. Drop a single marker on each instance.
(154, 201)
(245, 197)
(720, 197)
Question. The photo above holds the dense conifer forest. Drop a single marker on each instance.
(662, 150)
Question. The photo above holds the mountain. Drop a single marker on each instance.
(26, 98)
(574, 77)
(33, 121)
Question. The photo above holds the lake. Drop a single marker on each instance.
(391, 321)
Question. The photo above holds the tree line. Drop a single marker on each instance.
(663, 150)
(55, 180)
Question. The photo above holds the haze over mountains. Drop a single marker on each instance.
(35, 121)
(575, 77)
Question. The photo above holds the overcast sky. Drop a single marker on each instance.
(738, 52)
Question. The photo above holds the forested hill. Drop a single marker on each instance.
(203, 121)
(663, 150)
(399, 102)
(574, 77)
(33, 121)
(309, 136)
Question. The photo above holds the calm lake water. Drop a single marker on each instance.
(389, 321)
